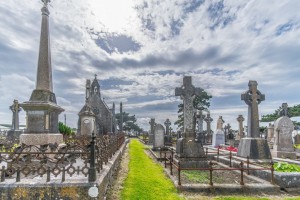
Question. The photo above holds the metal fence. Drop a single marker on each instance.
(244, 166)
(78, 156)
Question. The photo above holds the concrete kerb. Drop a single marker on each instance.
(70, 189)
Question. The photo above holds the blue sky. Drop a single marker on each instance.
(141, 49)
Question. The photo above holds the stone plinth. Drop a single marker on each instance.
(188, 148)
(218, 138)
(41, 139)
(151, 138)
(255, 148)
(168, 140)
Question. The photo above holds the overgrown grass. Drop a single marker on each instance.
(146, 179)
(201, 177)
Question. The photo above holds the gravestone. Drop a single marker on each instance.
(240, 120)
(253, 146)
(226, 132)
(200, 133)
(15, 132)
(159, 137)
(208, 121)
(42, 110)
(270, 133)
(189, 152)
(283, 145)
(168, 137)
(219, 136)
(297, 139)
(151, 134)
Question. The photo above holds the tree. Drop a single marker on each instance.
(292, 112)
(200, 102)
(65, 130)
(129, 122)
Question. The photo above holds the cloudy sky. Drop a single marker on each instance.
(141, 49)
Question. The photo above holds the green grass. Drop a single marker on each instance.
(146, 179)
(201, 177)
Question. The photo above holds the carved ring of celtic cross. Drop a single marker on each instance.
(247, 97)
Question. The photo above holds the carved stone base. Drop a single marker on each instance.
(255, 148)
(194, 163)
(284, 154)
(190, 149)
(168, 140)
(41, 139)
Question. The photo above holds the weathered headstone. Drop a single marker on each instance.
(187, 149)
(253, 146)
(159, 136)
(226, 132)
(219, 136)
(168, 137)
(208, 121)
(240, 120)
(42, 110)
(15, 132)
(283, 145)
(297, 139)
(151, 134)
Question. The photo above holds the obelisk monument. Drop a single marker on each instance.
(41, 109)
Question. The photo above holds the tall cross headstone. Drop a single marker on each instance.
(226, 131)
(167, 124)
(208, 121)
(240, 119)
(152, 125)
(252, 98)
(121, 117)
(15, 108)
(200, 117)
(187, 92)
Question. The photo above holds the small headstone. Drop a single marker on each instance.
(297, 139)
(219, 136)
(168, 137)
(159, 135)
(240, 119)
(270, 133)
(283, 145)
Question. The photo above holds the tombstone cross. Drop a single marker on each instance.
(252, 98)
(167, 124)
(284, 111)
(208, 121)
(152, 124)
(187, 91)
(240, 119)
(15, 108)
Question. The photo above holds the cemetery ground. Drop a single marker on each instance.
(140, 176)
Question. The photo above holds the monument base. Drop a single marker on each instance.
(193, 162)
(41, 139)
(168, 140)
(255, 148)
(151, 138)
(189, 148)
(284, 154)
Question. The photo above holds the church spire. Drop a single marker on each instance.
(44, 71)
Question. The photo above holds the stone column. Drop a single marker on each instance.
(41, 109)
(152, 126)
(208, 121)
(240, 120)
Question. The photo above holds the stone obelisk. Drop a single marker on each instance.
(41, 109)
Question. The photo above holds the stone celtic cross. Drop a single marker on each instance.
(252, 98)
(187, 92)
(167, 124)
(284, 111)
(240, 119)
(152, 124)
(15, 108)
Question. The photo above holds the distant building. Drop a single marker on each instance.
(105, 117)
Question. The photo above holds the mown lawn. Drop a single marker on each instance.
(146, 179)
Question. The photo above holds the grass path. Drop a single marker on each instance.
(146, 179)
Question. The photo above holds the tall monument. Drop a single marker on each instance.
(253, 146)
(188, 150)
(41, 109)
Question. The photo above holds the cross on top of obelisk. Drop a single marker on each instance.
(46, 2)
(240, 118)
(284, 109)
(167, 123)
(252, 94)
(187, 90)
